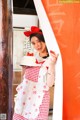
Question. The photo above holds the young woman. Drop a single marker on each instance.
(33, 97)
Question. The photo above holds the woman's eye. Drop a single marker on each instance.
(33, 43)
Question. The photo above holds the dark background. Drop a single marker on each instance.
(24, 7)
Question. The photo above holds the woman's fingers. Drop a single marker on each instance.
(53, 54)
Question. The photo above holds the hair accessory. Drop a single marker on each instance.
(34, 29)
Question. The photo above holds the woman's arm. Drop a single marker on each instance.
(51, 76)
(51, 69)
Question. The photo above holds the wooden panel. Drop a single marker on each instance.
(5, 60)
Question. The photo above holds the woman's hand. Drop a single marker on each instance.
(53, 56)
(51, 60)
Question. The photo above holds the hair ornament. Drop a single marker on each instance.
(34, 29)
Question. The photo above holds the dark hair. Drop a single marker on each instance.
(38, 35)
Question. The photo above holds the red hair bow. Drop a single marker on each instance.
(34, 29)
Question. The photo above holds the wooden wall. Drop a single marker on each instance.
(5, 59)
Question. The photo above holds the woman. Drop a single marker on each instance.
(34, 104)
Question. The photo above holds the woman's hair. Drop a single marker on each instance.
(38, 35)
(35, 32)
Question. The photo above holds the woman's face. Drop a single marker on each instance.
(38, 45)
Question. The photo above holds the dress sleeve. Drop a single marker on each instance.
(51, 62)
(51, 75)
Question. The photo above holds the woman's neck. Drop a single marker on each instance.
(43, 54)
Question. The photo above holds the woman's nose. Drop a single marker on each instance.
(36, 45)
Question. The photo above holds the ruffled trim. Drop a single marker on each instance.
(30, 95)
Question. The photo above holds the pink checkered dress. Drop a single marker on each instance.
(32, 101)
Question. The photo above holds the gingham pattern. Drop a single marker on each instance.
(44, 110)
(32, 74)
